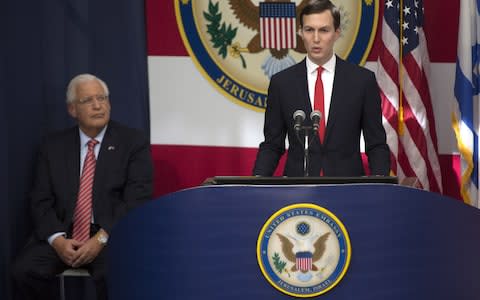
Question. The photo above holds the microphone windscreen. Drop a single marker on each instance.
(315, 114)
(299, 114)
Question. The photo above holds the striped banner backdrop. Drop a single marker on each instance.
(197, 132)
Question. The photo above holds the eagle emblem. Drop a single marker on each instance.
(239, 44)
(248, 14)
(303, 253)
(303, 250)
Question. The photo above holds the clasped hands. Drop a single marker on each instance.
(75, 253)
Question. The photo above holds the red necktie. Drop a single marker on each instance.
(83, 209)
(319, 103)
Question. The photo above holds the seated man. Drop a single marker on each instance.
(87, 178)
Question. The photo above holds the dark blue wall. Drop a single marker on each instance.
(44, 44)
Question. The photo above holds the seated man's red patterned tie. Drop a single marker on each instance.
(83, 209)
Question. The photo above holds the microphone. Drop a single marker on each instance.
(298, 117)
(316, 116)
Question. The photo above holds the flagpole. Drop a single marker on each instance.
(400, 74)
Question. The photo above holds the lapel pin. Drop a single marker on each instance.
(111, 148)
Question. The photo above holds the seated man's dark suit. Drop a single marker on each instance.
(355, 106)
(123, 180)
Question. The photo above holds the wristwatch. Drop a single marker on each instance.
(102, 238)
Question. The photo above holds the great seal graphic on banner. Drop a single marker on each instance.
(239, 44)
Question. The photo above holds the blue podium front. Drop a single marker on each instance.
(201, 243)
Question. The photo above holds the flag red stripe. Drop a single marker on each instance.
(390, 65)
(403, 162)
(177, 167)
(425, 94)
(293, 25)
(418, 137)
(163, 37)
(288, 28)
(420, 82)
(389, 112)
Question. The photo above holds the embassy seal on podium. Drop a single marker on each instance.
(303, 250)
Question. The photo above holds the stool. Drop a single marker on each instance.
(70, 273)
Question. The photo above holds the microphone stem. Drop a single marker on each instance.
(306, 156)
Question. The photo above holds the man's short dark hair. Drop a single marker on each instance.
(319, 6)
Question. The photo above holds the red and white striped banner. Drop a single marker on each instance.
(196, 132)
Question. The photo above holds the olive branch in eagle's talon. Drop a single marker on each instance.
(222, 35)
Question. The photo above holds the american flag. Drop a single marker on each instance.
(407, 107)
(278, 25)
(465, 116)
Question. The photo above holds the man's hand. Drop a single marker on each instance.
(67, 249)
(88, 251)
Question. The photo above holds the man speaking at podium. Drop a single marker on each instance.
(346, 101)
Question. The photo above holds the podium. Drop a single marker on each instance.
(201, 243)
(259, 180)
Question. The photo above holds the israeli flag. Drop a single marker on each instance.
(465, 116)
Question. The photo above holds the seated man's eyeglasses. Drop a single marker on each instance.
(89, 100)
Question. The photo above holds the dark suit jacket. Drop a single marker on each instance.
(123, 179)
(355, 106)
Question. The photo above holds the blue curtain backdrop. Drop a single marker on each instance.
(4, 202)
(44, 44)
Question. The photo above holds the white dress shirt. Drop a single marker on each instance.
(328, 75)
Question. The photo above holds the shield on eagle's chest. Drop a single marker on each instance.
(304, 261)
(278, 25)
